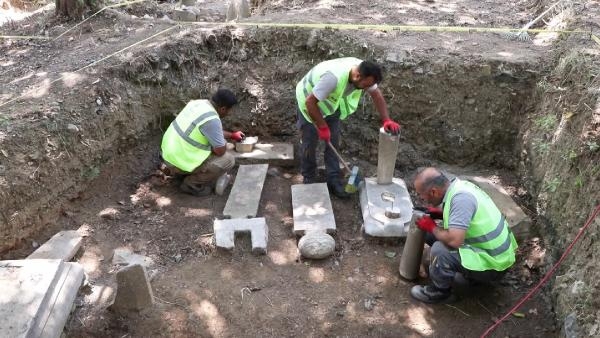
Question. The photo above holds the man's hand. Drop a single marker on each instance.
(324, 133)
(391, 127)
(237, 136)
(426, 224)
(433, 212)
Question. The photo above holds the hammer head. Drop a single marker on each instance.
(353, 181)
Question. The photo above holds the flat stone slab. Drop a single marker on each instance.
(245, 194)
(63, 245)
(281, 154)
(519, 222)
(225, 230)
(373, 206)
(312, 208)
(37, 296)
(61, 300)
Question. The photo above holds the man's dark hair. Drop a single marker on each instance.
(224, 98)
(436, 181)
(368, 68)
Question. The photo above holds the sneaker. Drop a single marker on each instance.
(431, 294)
(337, 189)
(198, 191)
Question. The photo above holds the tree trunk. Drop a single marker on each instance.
(73, 9)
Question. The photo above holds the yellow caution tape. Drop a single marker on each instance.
(24, 37)
(404, 28)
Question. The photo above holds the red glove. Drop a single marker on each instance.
(426, 224)
(237, 136)
(324, 133)
(433, 212)
(391, 127)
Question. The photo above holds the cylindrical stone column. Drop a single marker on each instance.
(412, 252)
(386, 157)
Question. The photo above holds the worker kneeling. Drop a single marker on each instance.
(475, 239)
(194, 144)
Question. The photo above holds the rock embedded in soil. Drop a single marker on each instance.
(133, 290)
(316, 245)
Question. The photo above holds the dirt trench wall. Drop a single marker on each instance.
(561, 168)
(460, 111)
(441, 103)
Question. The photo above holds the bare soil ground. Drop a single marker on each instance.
(200, 291)
(204, 292)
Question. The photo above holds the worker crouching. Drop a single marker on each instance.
(475, 239)
(194, 145)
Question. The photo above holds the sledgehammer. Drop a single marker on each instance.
(354, 179)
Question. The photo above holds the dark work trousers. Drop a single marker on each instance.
(445, 263)
(308, 149)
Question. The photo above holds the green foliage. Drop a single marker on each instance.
(552, 185)
(546, 123)
(579, 181)
(541, 147)
(4, 120)
(90, 172)
(592, 146)
(569, 156)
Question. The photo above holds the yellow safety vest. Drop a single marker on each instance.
(489, 244)
(183, 144)
(337, 99)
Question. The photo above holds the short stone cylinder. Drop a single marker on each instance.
(410, 261)
(386, 157)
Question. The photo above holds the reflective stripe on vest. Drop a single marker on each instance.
(488, 244)
(183, 144)
(186, 134)
(338, 98)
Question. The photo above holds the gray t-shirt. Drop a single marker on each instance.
(213, 130)
(327, 84)
(462, 209)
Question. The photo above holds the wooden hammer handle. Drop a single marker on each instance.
(339, 157)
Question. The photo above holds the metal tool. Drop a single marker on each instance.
(354, 179)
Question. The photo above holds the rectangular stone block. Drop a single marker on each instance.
(63, 245)
(373, 206)
(61, 302)
(312, 208)
(246, 191)
(281, 154)
(225, 230)
(519, 222)
(37, 296)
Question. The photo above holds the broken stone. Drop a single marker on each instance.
(183, 15)
(126, 257)
(133, 290)
(238, 9)
(109, 213)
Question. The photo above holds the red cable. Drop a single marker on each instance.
(548, 274)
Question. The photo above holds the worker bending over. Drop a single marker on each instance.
(328, 93)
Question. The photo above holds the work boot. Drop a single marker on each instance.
(431, 294)
(337, 189)
(196, 190)
(309, 180)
